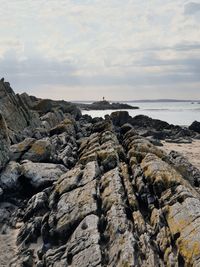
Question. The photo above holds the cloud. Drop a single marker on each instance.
(36, 70)
(10, 44)
(97, 44)
(192, 8)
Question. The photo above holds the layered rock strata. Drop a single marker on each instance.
(94, 192)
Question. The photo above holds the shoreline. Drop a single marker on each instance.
(182, 118)
(190, 151)
(67, 182)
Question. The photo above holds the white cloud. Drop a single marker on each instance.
(100, 43)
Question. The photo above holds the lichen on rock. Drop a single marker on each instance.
(94, 192)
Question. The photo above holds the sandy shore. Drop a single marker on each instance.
(8, 247)
(191, 151)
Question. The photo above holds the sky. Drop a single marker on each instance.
(87, 49)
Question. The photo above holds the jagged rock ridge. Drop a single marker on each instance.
(95, 192)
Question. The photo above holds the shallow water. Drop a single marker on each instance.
(179, 113)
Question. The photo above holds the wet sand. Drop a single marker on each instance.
(190, 151)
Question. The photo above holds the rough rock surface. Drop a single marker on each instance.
(39, 174)
(94, 192)
(4, 143)
(16, 113)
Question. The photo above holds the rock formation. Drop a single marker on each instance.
(4, 142)
(195, 126)
(103, 105)
(15, 110)
(96, 192)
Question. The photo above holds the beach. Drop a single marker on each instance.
(190, 151)
(8, 246)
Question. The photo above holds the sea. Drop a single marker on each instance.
(177, 113)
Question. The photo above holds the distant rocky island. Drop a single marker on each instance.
(105, 105)
(93, 192)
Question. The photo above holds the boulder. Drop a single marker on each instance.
(41, 175)
(18, 150)
(40, 151)
(9, 178)
(120, 117)
(195, 126)
(66, 125)
(145, 121)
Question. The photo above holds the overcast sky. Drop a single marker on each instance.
(86, 49)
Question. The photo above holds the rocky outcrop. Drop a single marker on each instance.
(97, 192)
(183, 166)
(104, 105)
(15, 111)
(44, 106)
(195, 126)
(124, 203)
(4, 142)
(154, 129)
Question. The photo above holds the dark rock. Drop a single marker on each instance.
(4, 143)
(46, 105)
(40, 151)
(15, 111)
(67, 126)
(41, 175)
(120, 117)
(97, 119)
(126, 127)
(103, 105)
(18, 150)
(86, 118)
(145, 121)
(195, 126)
(9, 178)
(100, 126)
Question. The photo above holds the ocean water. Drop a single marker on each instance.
(178, 113)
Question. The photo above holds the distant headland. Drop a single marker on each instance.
(104, 104)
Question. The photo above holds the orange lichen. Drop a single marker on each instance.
(38, 148)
